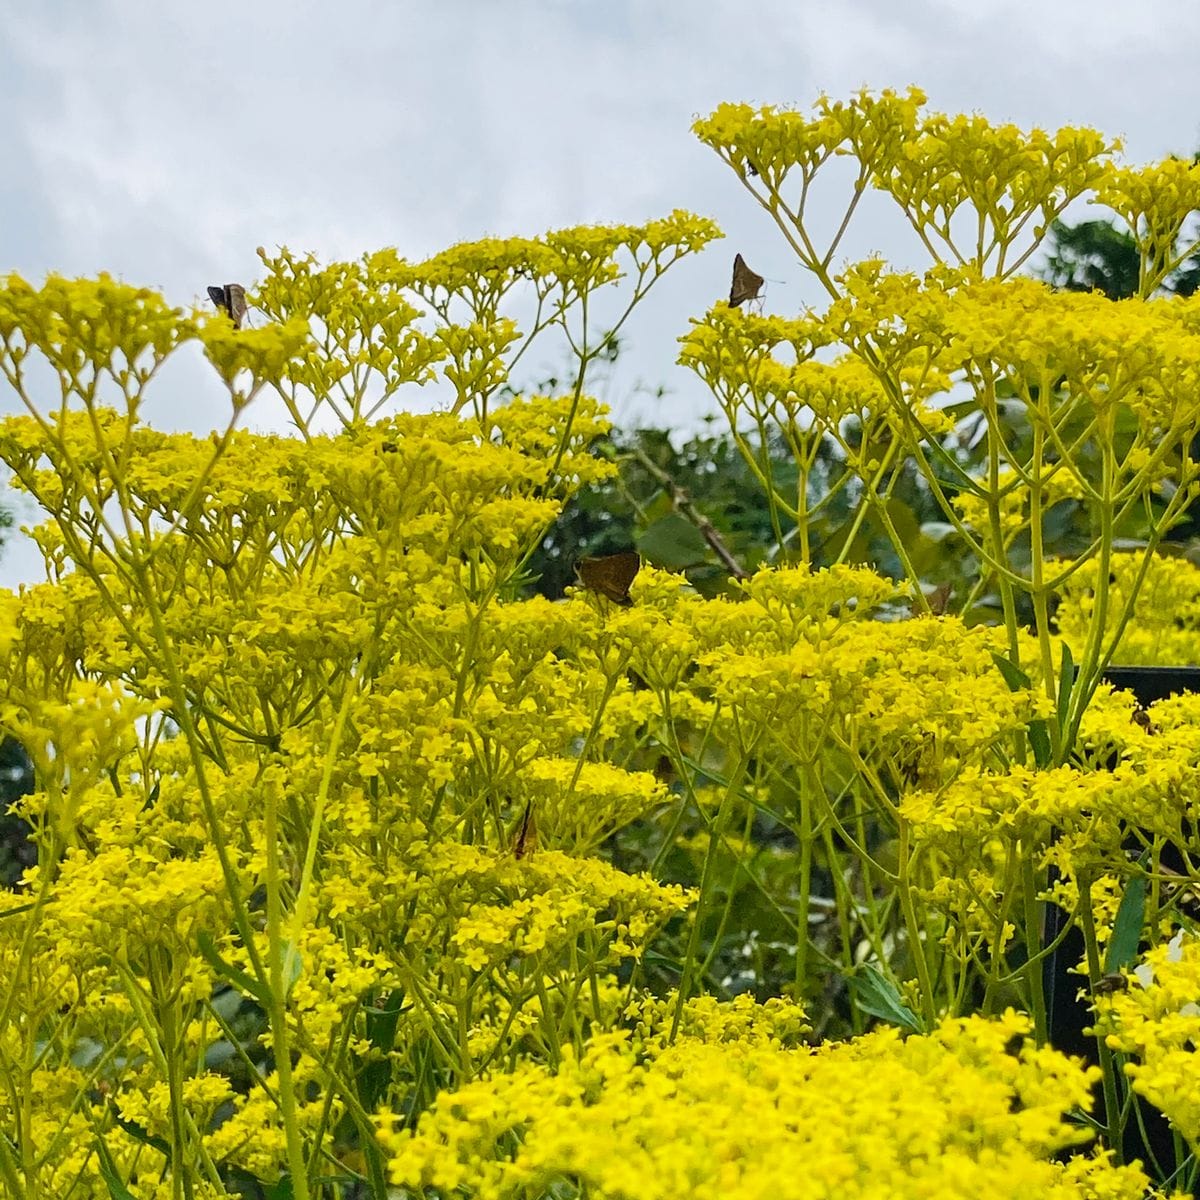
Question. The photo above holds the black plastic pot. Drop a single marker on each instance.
(1067, 1014)
(1154, 683)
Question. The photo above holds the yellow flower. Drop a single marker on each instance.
(972, 1109)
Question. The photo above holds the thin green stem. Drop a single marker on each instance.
(707, 884)
(1108, 1067)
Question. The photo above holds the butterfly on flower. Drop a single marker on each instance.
(746, 283)
(611, 575)
(231, 299)
(938, 601)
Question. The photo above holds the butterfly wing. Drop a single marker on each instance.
(231, 300)
(746, 283)
(235, 297)
(610, 576)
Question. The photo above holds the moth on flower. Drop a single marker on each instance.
(231, 299)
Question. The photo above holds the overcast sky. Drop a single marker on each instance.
(164, 142)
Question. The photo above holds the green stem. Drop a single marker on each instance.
(1033, 937)
(1112, 1104)
(1091, 665)
(809, 783)
(8, 1169)
(277, 1003)
(916, 943)
(181, 1171)
(1038, 590)
(707, 884)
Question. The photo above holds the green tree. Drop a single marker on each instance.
(1098, 256)
(1092, 256)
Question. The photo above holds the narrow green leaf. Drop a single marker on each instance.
(376, 1076)
(152, 799)
(1066, 682)
(235, 975)
(1127, 928)
(109, 1173)
(874, 993)
(292, 964)
(1039, 740)
(1016, 679)
(382, 1021)
(142, 1134)
(281, 1189)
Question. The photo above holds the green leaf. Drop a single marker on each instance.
(937, 531)
(235, 975)
(226, 1003)
(874, 993)
(375, 1076)
(109, 1173)
(85, 1052)
(673, 543)
(1066, 682)
(1016, 679)
(1127, 928)
(959, 409)
(1039, 740)
(142, 1134)
(292, 964)
(152, 799)
(382, 1022)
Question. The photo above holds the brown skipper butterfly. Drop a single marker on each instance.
(611, 575)
(231, 299)
(746, 284)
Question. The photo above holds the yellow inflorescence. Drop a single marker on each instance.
(341, 835)
(971, 1109)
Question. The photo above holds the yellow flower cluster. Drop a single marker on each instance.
(972, 1109)
(938, 168)
(1155, 202)
(1164, 624)
(800, 664)
(993, 832)
(770, 143)
(286, 717)
(1071, 410)
(331, 821)
(1156, 1020)
(369, 315)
